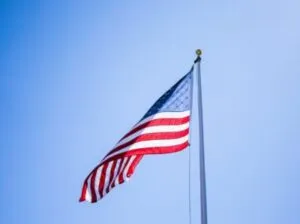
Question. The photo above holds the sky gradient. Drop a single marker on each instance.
(75, 76)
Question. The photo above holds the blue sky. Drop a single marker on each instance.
(75, 76)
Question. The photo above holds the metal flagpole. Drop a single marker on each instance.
(201, 144)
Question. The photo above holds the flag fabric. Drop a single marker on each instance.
(163, 129)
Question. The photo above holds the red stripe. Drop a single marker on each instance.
(151, 136)
(102, 179)
(83, 192)
(92, 187)
(118, 173)
(149, 151)
(157, 122)
(112, 174)
(158, 150)
(133, 165)
(121, 178)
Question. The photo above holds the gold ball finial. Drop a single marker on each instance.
(198, 52)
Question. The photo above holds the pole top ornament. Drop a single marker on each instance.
(198, 52)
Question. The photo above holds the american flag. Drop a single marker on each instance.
(163, 129)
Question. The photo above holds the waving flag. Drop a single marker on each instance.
(163, 129)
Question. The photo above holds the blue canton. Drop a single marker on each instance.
(176, 99)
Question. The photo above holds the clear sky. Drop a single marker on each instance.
(75, 76)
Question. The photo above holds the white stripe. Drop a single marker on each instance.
(115, 173)
(122, 167)
(88, 195)
(107, 177)
(151, 143)
(127, 168)
(164, 115)
(155, 129)
(97, 182)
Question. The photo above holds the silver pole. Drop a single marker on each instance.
(201, 144)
